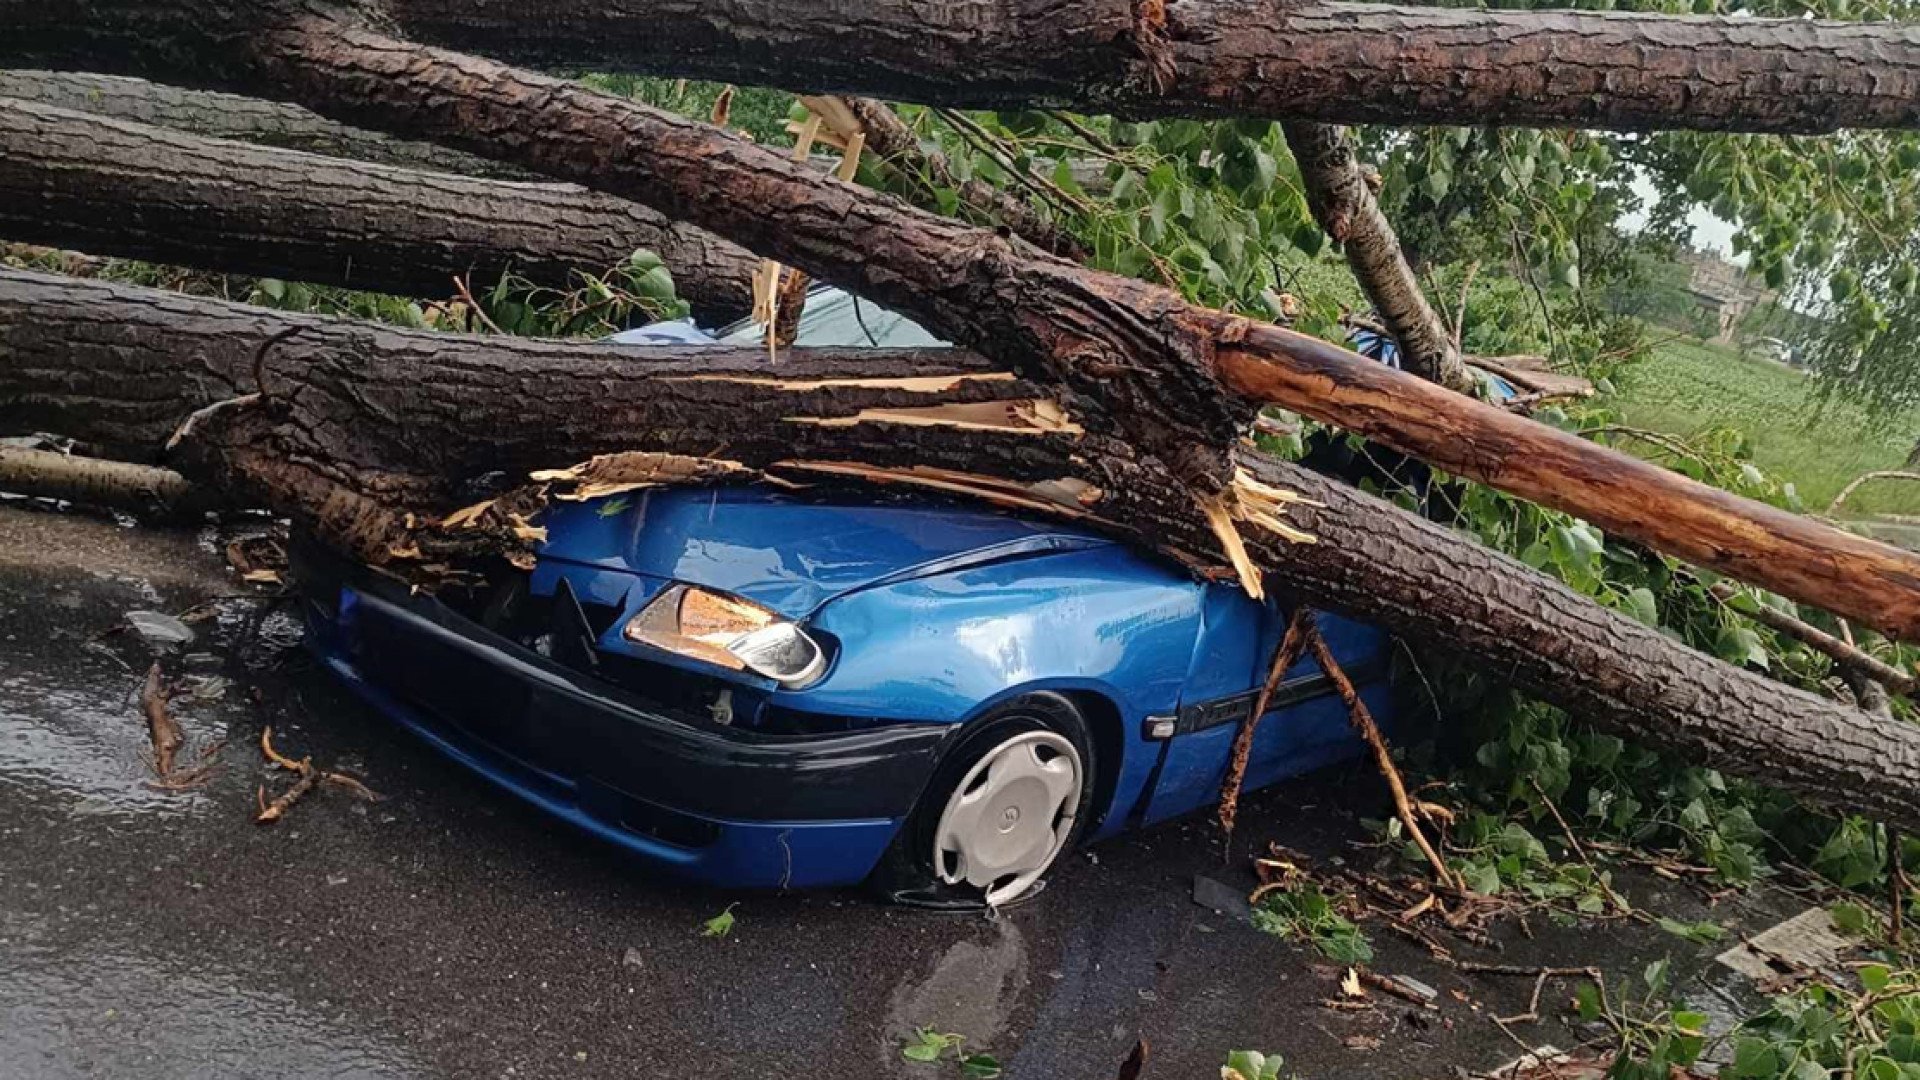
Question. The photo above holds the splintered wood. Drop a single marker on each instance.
(1259, 504)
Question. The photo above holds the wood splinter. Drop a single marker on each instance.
(309, 778)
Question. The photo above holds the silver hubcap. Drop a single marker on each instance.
(1009, 816)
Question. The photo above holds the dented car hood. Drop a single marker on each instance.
(789, 553)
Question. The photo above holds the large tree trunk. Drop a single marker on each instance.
(1343, 204)
(110, 187)
(242, 119)
(362, 424)
(1332, 62)
(1155, 362)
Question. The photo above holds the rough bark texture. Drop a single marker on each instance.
(360, 417)
(242, 119)
(1154, 362)
(111, 187)
(1343, 204)
(1331, 62)
(1089, 330)
(1151, 359)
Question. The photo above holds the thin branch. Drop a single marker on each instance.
(1363, 723)
(1854, 484)
(1284, 657)
(1840, 652)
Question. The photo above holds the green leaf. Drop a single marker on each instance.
(979, 1067)
(926, 1045)
(720, 925)
(1640, 604)
(1849, 919)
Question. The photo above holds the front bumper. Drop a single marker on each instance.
(707, 802)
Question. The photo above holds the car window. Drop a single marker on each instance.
(834, 318)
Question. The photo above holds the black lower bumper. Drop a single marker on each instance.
(538, 723)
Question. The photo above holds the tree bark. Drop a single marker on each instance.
(1343, 203)
(362, 424)
(1156, 363)
(241, 119)
(115, 485)
(110, 187)
(1329, 62)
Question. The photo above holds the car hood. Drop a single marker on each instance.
(790, 554)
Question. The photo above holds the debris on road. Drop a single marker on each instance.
(309, 778)
(163, 632)
(168, 739)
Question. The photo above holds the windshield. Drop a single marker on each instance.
(836, 318)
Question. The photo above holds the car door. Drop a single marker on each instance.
(1228, 649)
(1306, 724)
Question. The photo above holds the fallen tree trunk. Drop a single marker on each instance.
(1156, 363)
(242, 119)
(363, 424)
(1332, 62)
(110, 187)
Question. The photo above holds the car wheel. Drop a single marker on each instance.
(1002, 807)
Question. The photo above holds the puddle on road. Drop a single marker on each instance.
(80, 741)
(105, 1013)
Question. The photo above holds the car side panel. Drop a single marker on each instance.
(952, 646)
(1306, 729)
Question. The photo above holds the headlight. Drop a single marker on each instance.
(730, 632)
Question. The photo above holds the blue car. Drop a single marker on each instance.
(759, 688)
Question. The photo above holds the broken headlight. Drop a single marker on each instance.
(733, 633)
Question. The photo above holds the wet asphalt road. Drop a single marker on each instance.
(449, 932)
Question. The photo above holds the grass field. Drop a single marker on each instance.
(1690, 385)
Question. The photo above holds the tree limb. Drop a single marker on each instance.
(1343, 203)
(112, 187)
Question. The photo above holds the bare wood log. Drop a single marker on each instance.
(1343, 204)
(1844, 653)
(111, 187)
(396, 422)
(241, 119)
(115, 485)
(1329, 62)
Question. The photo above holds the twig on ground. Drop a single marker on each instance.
(162, 730)
(309, 778)
(1619, 902)
(1284, 657)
